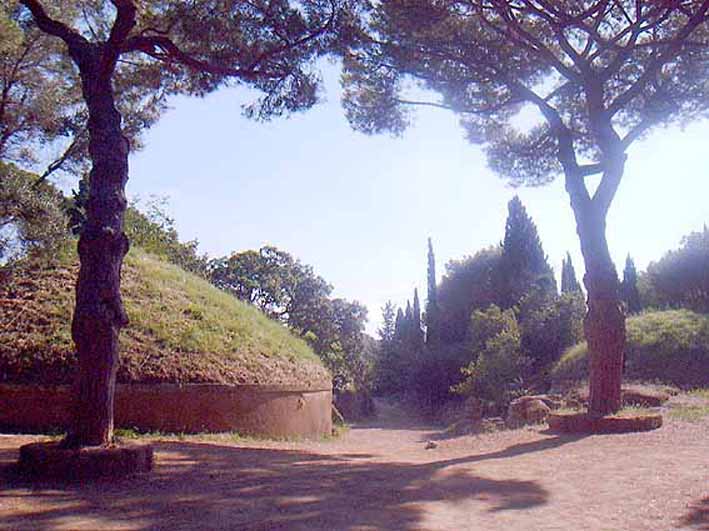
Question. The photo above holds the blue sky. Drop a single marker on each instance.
(359, 209)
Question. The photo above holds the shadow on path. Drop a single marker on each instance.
(211, 486)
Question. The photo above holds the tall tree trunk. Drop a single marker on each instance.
(99, 313)
(604, 324)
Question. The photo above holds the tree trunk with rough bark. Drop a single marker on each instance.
(99, 314)
(604, 324)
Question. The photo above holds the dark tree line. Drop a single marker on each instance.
(498, 321)
(681, 277)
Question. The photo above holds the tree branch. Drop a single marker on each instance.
(161, 47)
(72, 38)
(124, 23)
(608, 186)
(626, 97)
(58, 163)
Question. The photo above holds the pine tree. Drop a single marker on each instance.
(523, 263)
(432, 310)
(629, 287)
(569, 284)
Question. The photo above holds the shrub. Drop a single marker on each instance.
(498, 364)
(548, 324)
(669, 346)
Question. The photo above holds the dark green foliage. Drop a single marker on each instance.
(667, 346)
(495, 374)
(569, 284)
(681, 277)
(274, 281)
(544, 322)
(432, 308)
(388, 329)
(548, 324)
(289, 291)
(466, 286)
(31, 216)
(408, 327)
(629, 287)
(76, 206)
(523, 263)
(430, 375)
(339, 340)
(416, 330)
(387, 369)
(399, 324)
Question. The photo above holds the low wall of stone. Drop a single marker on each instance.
(270, 411)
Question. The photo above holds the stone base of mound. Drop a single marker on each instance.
(52, 460)
(258, 410)
(584, 423)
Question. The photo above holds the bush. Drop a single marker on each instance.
(549, 324)
(151, 229)
(498, 366)
(668, 346)
(433, 372)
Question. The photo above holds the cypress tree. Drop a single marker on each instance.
(569, 284)
(408, 322)
(399, 325)
(432, 311)
(629, 287)
(523, 263)
(416, 331)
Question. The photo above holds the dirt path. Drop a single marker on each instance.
(380, 476)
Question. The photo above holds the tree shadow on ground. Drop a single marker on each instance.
(524, 448)
(211, 486)
(698, 515)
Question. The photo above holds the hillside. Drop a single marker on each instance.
(182, 329)
(669, 346)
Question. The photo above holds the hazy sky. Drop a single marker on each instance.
(359, 209)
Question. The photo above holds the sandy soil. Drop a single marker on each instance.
(381, 476)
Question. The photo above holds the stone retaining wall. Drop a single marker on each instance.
(270, 411)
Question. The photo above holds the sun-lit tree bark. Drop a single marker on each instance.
(180, 47)
(600, 74)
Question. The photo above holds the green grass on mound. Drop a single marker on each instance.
(667, 346)
(182, 329)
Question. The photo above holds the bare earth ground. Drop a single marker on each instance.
(380, 476)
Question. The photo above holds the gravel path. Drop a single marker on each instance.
(381, 476)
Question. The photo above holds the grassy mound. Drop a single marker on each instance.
(667, 346)
(182, 329)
